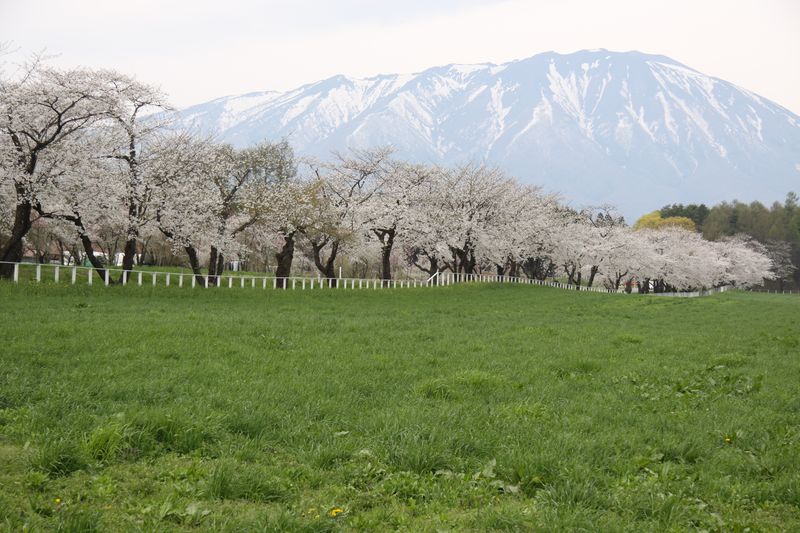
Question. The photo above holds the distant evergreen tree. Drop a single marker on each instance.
(696, 213)
(777, 227)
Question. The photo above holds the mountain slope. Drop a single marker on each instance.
(632, 129)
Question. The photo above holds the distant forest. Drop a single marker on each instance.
(776, 227)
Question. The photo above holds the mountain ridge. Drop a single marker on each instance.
(633, 129)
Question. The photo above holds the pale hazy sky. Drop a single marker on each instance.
(202, 49)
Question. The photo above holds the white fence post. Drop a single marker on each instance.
(74, 274)
(155, 274)
(90, 275)
(167, 279)
(38, 273)
(55, 274)
(139, 278)
(107, 277)
(180, 280)
(16, 272)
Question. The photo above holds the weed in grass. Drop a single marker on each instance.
(105, 443)
(167, 431)
(60, 457)
(436, 389)
(505, 519)
(80, 520)
(230, 480)
(409, 487)
(36, 481)
(530, 472)
(420, 452)
(627, 338)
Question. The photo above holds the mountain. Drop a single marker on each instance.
(627, 128)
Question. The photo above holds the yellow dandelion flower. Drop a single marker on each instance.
(333, 513)
(57, 500)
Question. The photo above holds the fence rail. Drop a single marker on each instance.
(116, 276)
(775, 291)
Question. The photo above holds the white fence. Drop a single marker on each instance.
(449, 278)
(694, 294)
(774, 291)
(114, 276)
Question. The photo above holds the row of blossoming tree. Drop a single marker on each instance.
(87, 154)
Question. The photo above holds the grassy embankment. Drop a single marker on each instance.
(465, 407)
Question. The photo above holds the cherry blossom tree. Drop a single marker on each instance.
(472, 199)
(392, 210)
(129, 131)
(42, 109)
(186, 199)
(341, 192)
(746, 262)
(243, 179)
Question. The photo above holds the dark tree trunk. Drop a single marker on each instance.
(220, 264)
(537, 268)
(592, 274)
(618, 279)
(129, 251)
(96, 263)
(284, 258)
(194, 262)
(469, 263)
(570, 272)
(128, 254)
(13, 249)
(386, 237)
(433, 264)
(214, 266)
(644, 286)
(466, 260)
(326, 267)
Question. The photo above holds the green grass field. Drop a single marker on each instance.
(454, 408)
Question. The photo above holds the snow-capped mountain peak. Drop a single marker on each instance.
(629, 128)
